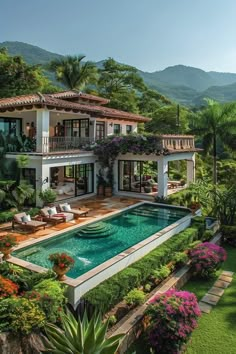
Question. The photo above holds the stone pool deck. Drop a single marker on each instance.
(98, 206)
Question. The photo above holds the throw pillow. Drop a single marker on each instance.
(52, 211)
(26, 218)
(67, 207)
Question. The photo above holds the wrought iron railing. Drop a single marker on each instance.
(64, 143)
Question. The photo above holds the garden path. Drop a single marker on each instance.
(214, 294)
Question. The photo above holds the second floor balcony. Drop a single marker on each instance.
(58, 144)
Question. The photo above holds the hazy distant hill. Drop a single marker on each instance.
(183, 84)
(31, 53)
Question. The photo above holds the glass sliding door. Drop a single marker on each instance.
(129, 173)
(84, 178)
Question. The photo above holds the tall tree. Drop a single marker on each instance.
(165, 120)
(72, 72)
(216, 123)
(17, 77)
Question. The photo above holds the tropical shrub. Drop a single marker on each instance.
(7, 287)
(108, 293)
(20, 315)
(6, 215)
(161, 273)
(135, 297)
(206, 258)
(49, 295)
(82, 336)
(112, 320)
(170, 318)
(207, 235)
(180, 258)
(48, 196)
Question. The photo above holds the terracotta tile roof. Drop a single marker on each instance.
(49, 101)
(74, 94)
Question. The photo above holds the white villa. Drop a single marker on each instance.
(56, 129)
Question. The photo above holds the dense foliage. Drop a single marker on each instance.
(107, 294)
(28, 299)
(206, 258)
(171, 317)
(17, 77)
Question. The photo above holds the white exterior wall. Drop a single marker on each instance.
(162, 161)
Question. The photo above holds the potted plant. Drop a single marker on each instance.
(61, 264)
(6, 243)
(48, 196)
(100, 183)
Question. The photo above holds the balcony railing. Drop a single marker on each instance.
(64, 143)
(178, 142)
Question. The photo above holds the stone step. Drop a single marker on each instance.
(227, 273)
(216, 291)
(225, 278)
(210, 299)
(206, 308)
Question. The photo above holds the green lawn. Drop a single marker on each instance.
(216, 333)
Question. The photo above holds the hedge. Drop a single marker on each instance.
(228, 231)
(108, 293)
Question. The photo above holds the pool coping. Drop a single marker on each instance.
(75, 282)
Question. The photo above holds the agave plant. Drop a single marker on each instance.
(80, 337)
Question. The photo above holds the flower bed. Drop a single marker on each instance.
(206, 258)
(170, 319)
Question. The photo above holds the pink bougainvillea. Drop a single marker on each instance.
(206, 258)
(170, 319)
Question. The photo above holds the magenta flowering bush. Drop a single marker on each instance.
(170, 318)
(206, 258)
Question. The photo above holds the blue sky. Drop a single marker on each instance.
(150, 34)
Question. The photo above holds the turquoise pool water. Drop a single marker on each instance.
(96, 243)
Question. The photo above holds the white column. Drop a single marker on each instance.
(42, 181)
(162, 177)
(116, 177)
(42, 131)
(191, 170)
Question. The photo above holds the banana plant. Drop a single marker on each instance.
(80, 336)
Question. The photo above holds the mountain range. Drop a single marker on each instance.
(183, 84)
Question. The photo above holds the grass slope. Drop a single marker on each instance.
(216, 333)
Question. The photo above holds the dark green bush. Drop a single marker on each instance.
(207, 235)
(228, 231)
(20, 315)
(107, 294)
(135, 297)
(6, 216)
(33, 211)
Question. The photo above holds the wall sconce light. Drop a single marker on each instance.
(90, 122)
(111, 124)
(27, 126)
(45, 180)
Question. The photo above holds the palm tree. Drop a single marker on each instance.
(72, 72)
(217, 122)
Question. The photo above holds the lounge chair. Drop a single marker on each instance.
(32, 225)
(76, 212)
(52, 216)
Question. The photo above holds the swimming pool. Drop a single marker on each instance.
(98, 242)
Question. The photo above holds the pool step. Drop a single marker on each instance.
(96, 231)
